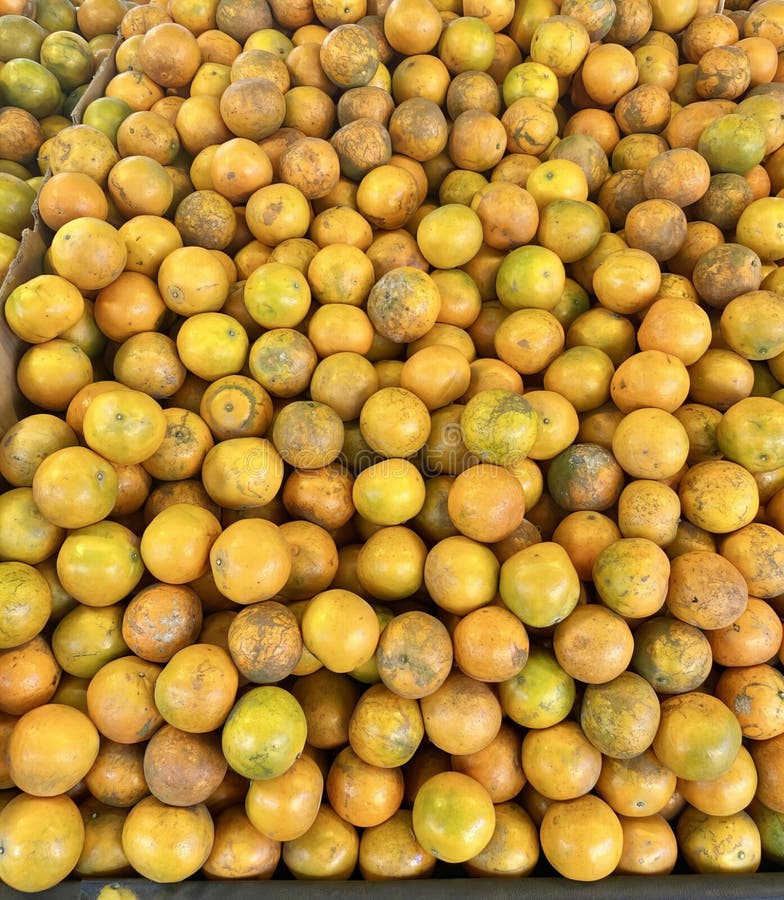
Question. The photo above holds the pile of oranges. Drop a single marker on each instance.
(398, 481)
(49, 52)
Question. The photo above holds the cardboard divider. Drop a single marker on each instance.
(28, 264)
(29, 260)
(103, 75)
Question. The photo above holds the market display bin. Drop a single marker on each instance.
(543, 884)
(449, 881)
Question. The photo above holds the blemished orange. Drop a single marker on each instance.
(264, 733)
(26, 603)
(197, 704)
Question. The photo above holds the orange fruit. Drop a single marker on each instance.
(236, 406)
(167, 843)
(411, 422)
(250, 560)
(391, 563)
(102, 852)
(212, 345)
(403, 304)
(745, 433)
(453, 816)
(25, 603)
(486, 503)
(45, 768)
(750, 639)
(412, 26)
(277, 295)
(39, 363)
(529, 339)
(363, 794)
(448, 723)
(753, 694)
(42, 837)
(391, 851)
(28, 441)
(582, 838)
(284, 807)
(182, 768)
(33, 538)
(29, 675)
(726, 795)
(513, 850)
(142, 619)
(314, 559)
(543, 564)
(265, 642)
(239, 849)
(732, 842)
(340, 629)
(89, 252)
(139, 185)
(129, 682)
(541, 693)
(498, 766)
(608, 731)
(672, 655)
(608, 629)
(242, 472)
(385, 729)
(649, 846)
(559, 761)
(74, 487)
(264, 733)
(192, 280)
(414, 654)
(327, 699)
(490, 644)
(322, 496)
(327, 851)
(148, 240)
(636, 787)
(389, 492)
(175, 545)
(125, 427)
(308, 435)
(197, 704)
(102, 550)
(22, 309)
(499, 426)
(698, 736)
(86, 637)
(732, 506)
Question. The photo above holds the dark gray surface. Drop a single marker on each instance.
(699, 887)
